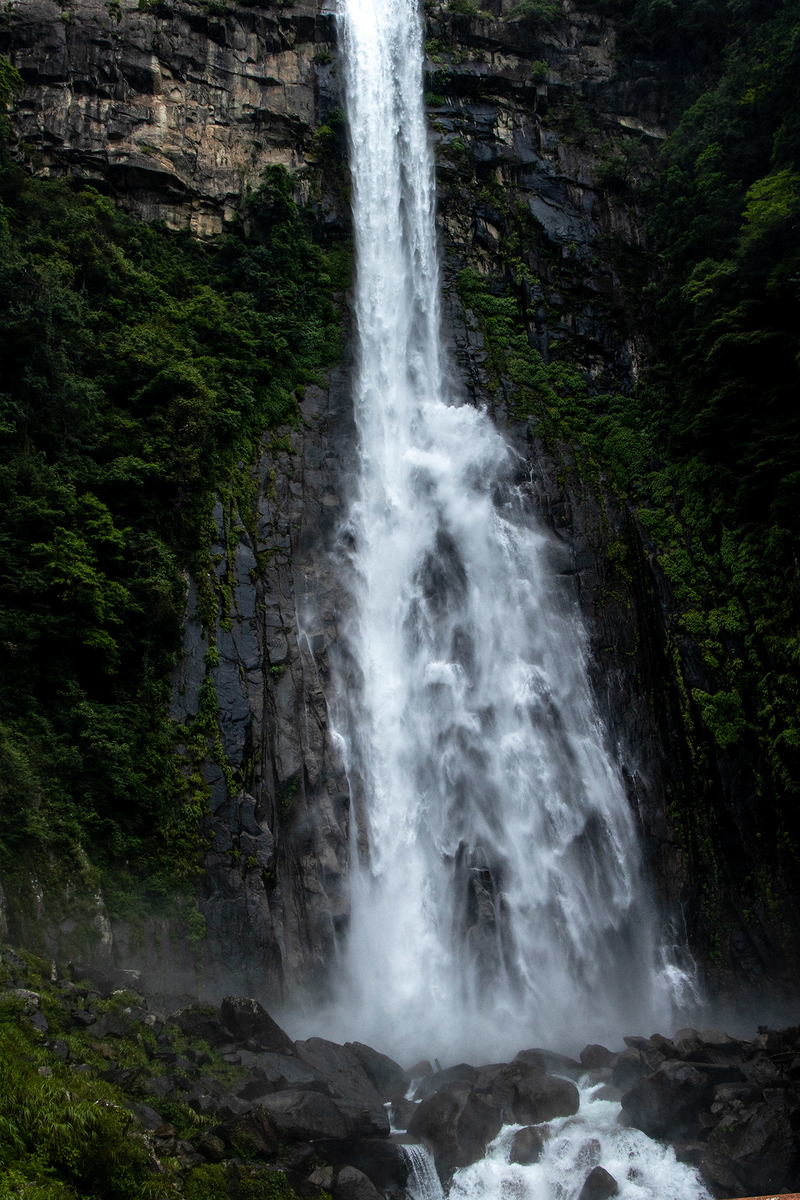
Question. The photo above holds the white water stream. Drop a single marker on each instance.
(497, 893)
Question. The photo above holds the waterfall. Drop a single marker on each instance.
(423, 1182)
(497, 893)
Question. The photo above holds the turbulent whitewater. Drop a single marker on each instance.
(497, 895)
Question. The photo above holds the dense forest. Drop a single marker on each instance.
(141, 371)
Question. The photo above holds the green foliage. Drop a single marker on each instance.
(466, 8)
(707, 449)
(536, 13)
(140, 369)
(62, 1136)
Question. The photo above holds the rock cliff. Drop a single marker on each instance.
(543, 140)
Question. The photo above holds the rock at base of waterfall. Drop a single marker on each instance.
(550, 1060)
(352, 1184)
(751, 1152)
(542, 1098)
(458, 1125)
(385, 1075)
(599, 1185)
(439, 1081)
(667, 1104)
(527, 1146)
(631, 1065)
(349, 1084)
(594, 1056)
(382, 1160)
(306, 1116)
(253, 1026)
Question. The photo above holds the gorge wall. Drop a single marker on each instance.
(544, 142)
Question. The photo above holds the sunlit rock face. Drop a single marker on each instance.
(171, 107)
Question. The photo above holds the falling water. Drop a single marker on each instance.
(497, 893)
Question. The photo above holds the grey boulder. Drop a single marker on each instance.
(251, 1024)
(306, 1116)
(527, 1146)
(599, 1185)
(352, 1184)
(457, 1124)
(667, 1103)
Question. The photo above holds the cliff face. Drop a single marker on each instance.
(173, 110)
(543, 140)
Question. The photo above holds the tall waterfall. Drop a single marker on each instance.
(497, 893)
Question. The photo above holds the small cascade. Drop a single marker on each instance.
(423, 1182)
(642, 1168)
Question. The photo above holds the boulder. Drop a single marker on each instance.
(540, 1098)
(352, 1184)
(382, 1160)
(751, 1153)
(527, 1146)
(458, 1125)
(349, 1084)
(251, 1024)
(551, 1061)
(203, 1023)
(630, 1066)
(509, 1085)
(667, 1103)
(275, 1072)
(593, 1056)
(599, 1185)
(306, 1116)
(437, 1081)
(386, 1076)
(253, 1135)
(401, 1111)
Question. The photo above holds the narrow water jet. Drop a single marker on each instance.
(498, 898)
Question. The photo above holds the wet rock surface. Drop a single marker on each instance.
(200, 1090)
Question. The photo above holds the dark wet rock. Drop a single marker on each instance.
(630, 1066)
(349, 1084)
(203, 1022)
(542, 1098)
(385, 1075)
(667, 1103)
(752, 1152)
(419, 1070)
(276, 1072)
(401, 1111)
(599, 1185)
(352, 1184)
(162, 1086)
(437, 1081)
(596, 1056)
(527, 1146)
(550, 1061)
(383, 1160)
(252, 1025)
(306, 1116)
(457, 1124)
(607, 1092)
(508, 1086)
(147, 1116)
(211, 1147)
(254, 1134)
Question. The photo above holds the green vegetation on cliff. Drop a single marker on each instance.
(707, 448)
(140, 369)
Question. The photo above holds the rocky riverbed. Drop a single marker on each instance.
(224, 1091)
